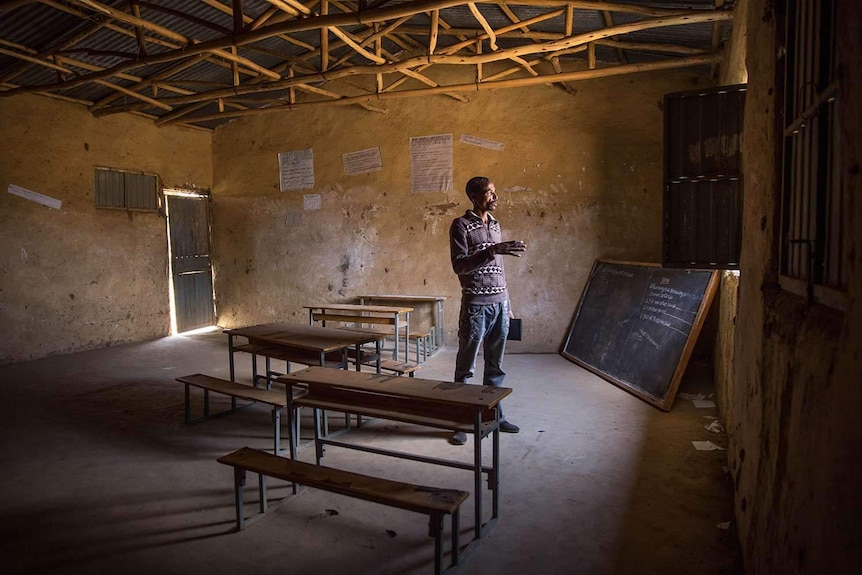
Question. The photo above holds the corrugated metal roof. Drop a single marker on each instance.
(72, 48)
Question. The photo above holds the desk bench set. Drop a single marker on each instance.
(441, 405)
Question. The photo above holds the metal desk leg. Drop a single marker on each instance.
(407, 337)
(238, 483)
(495, 472)
(397, 331)
(477, 471)
(276, 432)
(230, 352)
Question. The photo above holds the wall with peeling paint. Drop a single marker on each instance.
(793, 392)
(80, 277)
(580, 178)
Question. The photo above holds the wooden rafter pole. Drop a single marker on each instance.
(106, 23)
(673, 63)
(284, 6)
(324, 38)
(251, 36)
(139, 32)
(561, 46)
(377, 33)
(378, 50)
(652, 47)
(134, 94)
(529, 22)
(570, 19)
(478, 61)
(15, 70)
(433, 30)
(492, 36)
(609, 22)
(170, 34)
(152, 79)
(238, 16)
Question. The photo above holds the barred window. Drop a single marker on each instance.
(813, 249)
(124, 190)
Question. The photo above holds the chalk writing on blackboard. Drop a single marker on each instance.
(636, 325)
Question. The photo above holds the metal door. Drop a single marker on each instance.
(191, 267)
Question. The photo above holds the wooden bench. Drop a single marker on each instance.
(297, 356)
(395, 366)
(236, 391)
(431, 501)
(422, 339)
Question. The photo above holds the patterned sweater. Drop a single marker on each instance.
(481, 273)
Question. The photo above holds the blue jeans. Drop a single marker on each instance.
(478, 324)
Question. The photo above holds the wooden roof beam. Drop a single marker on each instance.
(672, 63)
(492, 36)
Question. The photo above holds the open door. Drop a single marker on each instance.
(191, 266)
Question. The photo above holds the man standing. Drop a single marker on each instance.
(476, 249)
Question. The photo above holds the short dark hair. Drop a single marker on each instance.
(476, 186)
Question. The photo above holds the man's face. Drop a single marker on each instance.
(488, 201)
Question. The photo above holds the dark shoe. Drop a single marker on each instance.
(507, 427)
(458, 438)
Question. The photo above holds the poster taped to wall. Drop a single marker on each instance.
(482, 142)
(431, 163)
(35, 196)
(362, 162)
(296, 170)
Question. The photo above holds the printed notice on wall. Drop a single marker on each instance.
(296, 170)
(482, 142)
(311, 202)
(431, 163)
(35, 197)
(362, 162)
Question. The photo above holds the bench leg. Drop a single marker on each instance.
(276, 431)
(435, 530)
(238, 483)
(261, 487)
(188, 406)
(456, 526)
(318, 447)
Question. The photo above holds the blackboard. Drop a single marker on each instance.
(636, 324)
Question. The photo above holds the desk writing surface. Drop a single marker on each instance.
(303, 336)
(483, 396)
(361, 308)
(396, 297)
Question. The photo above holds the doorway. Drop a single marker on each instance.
(191, 285)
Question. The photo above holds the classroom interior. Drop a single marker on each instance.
(101, 473)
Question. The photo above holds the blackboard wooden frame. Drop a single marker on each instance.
(632, 328)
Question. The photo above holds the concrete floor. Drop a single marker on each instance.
(101, 475)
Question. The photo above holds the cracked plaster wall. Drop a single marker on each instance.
(79, 277)
(580, 178)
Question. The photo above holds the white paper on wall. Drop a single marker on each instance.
(311, 202)
(482, 142)
(35, 197)
(431, 163)
(296, 170)
(362, 162)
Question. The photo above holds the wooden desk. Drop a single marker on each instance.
(308, 344)
(359, 315)
(438, 404)
(438, 309)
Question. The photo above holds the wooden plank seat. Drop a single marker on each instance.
(277, 400)
(422, 339)
(395, 366)
(434, 502)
